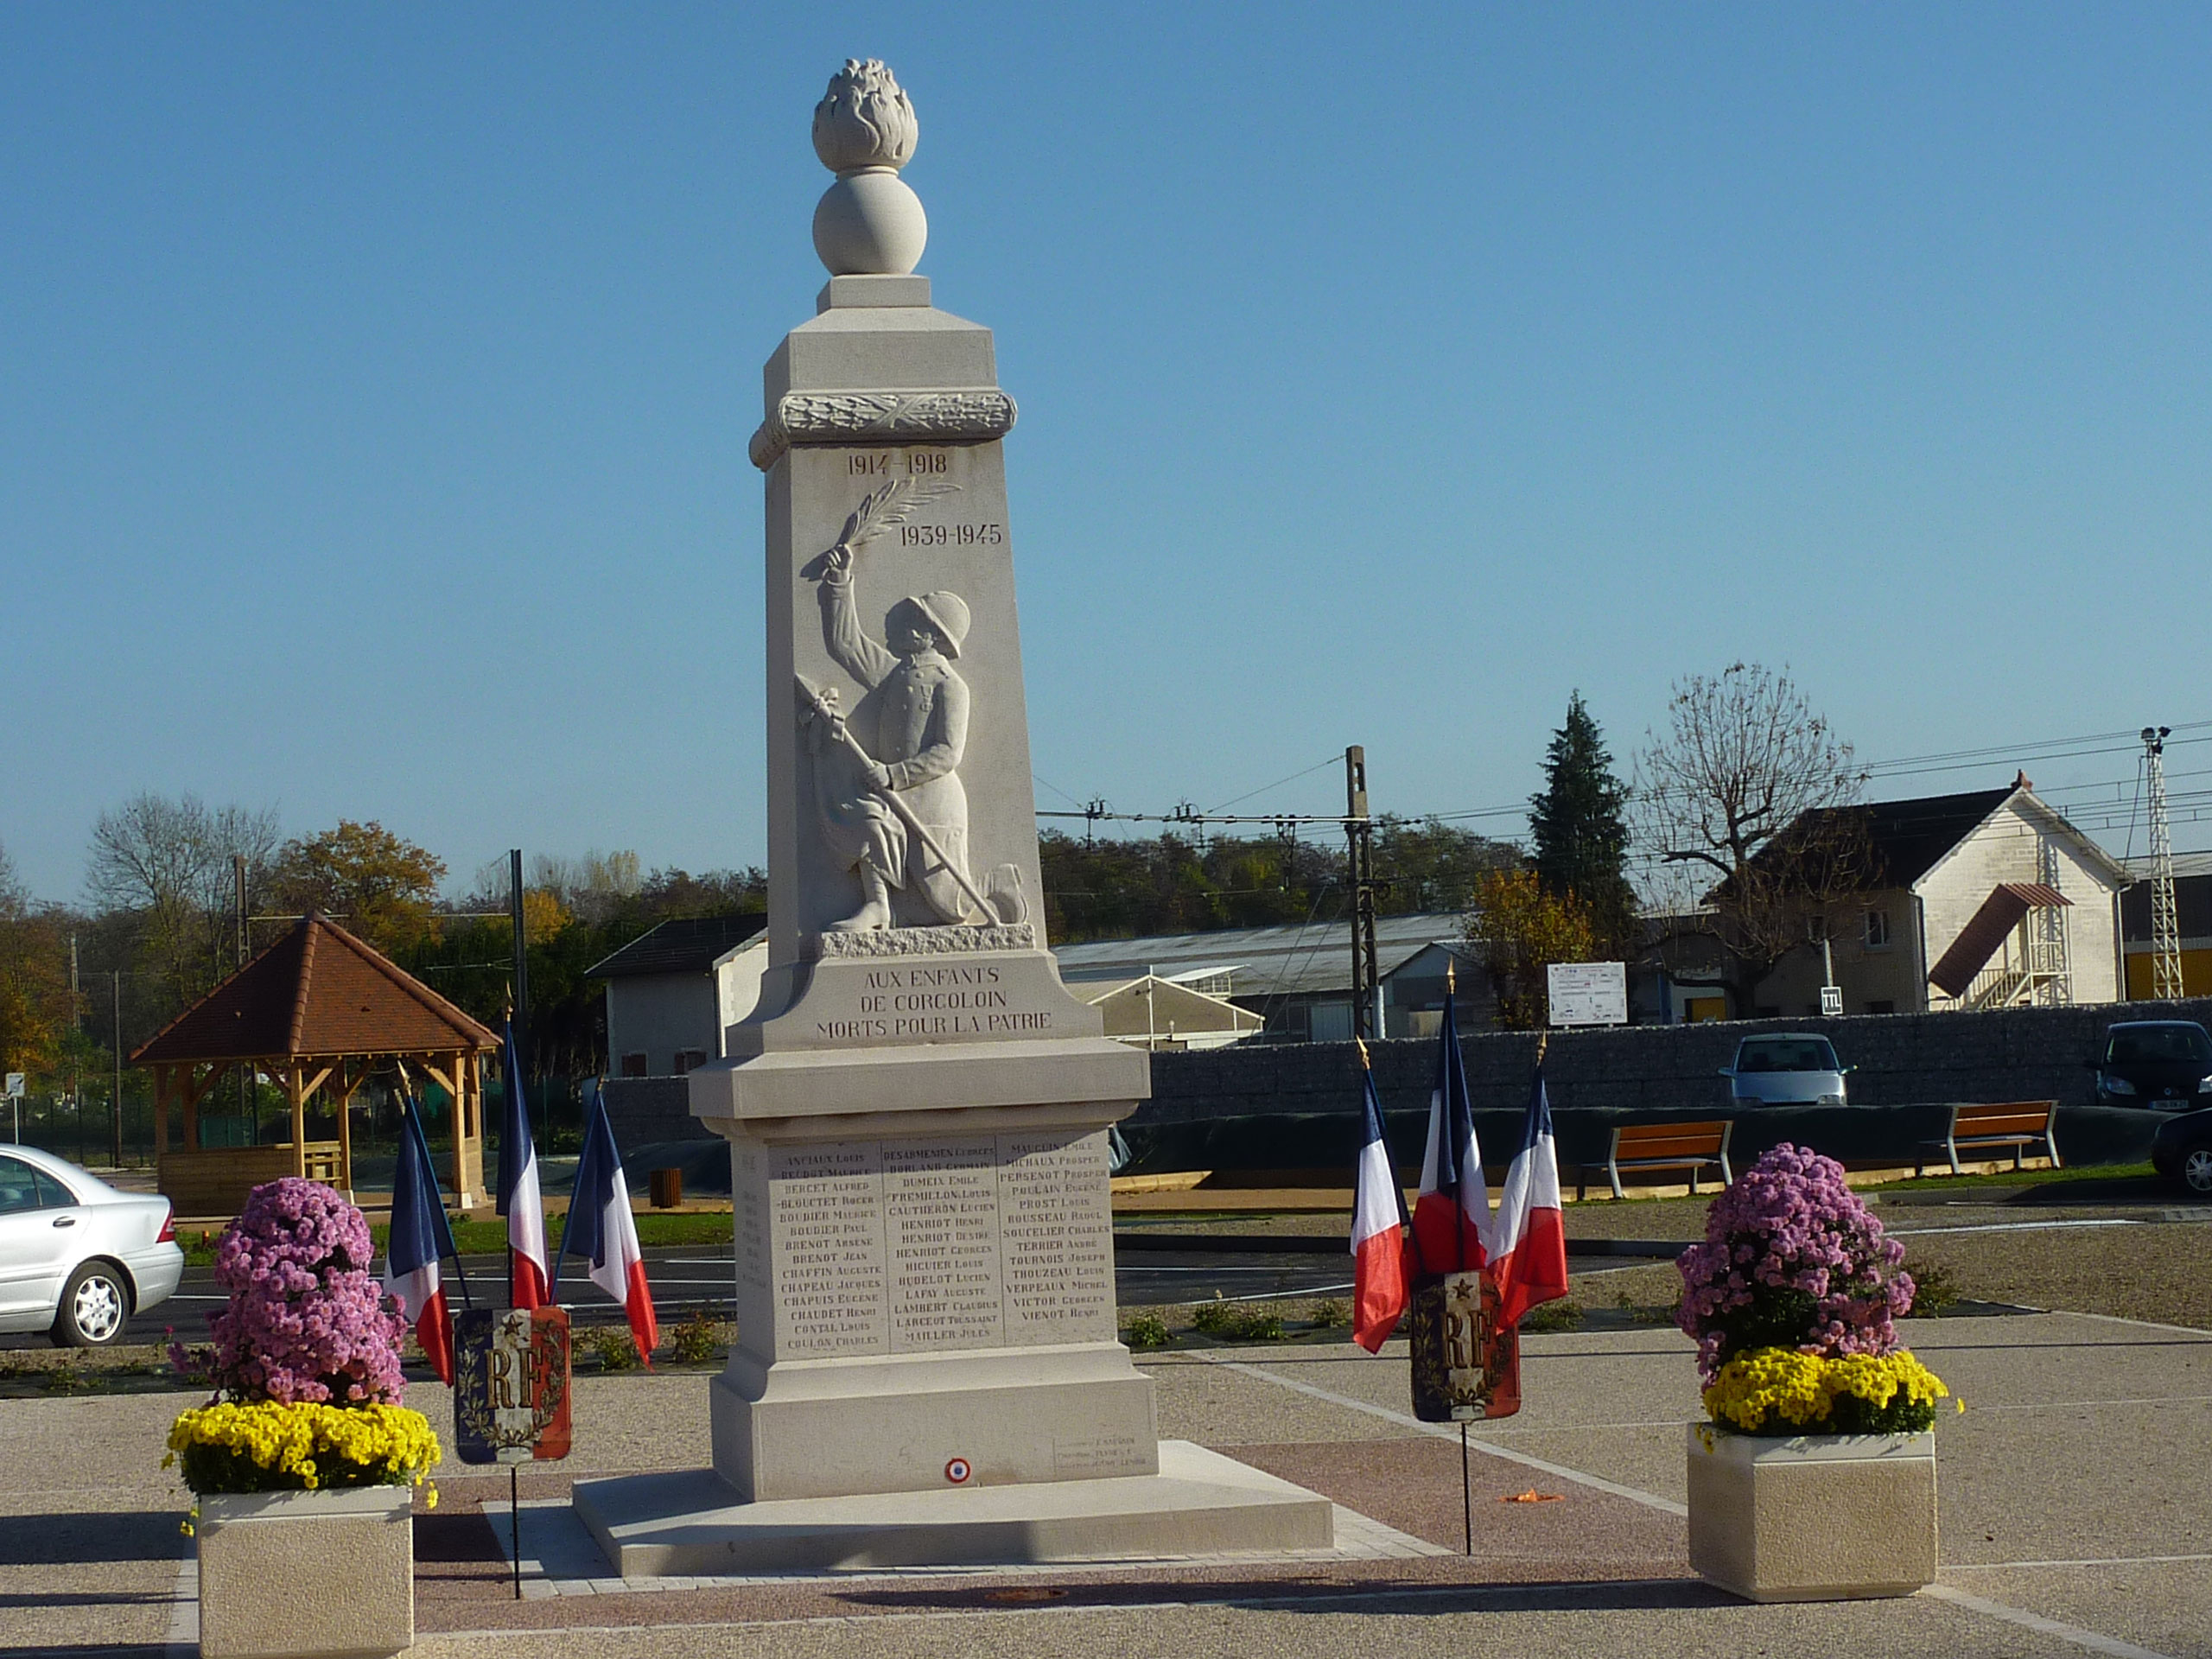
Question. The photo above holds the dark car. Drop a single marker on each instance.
(2182, 1151)
(2166, 1065)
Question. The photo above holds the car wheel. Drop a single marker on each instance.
(95, 1307)
(2196, 1169)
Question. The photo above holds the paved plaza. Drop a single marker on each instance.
(2074, 1519)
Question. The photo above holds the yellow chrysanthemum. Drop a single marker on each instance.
(305, 1447)
(1802, 1389)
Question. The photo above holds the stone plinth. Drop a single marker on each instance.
(925, 1300)
(1816, 1518)
(1200, 1502)
(327, 1573)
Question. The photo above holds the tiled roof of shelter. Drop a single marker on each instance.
(690, 946)
(320, 992)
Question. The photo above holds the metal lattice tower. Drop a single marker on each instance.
(2165, 920)
(2053, 972)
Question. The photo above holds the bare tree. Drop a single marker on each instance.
(168, 864)
(1747, 795)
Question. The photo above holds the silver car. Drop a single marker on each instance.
(77, 1257)
(1785, 1068)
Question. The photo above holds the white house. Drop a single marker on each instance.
(1985, 900)
(672, 993)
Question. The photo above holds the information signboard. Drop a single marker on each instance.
(1589, 992)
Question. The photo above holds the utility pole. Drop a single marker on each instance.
(249, 1101)
(521, 952)
(2165, 920)
(76, 1029)
(115, 1113)
(1359, 834)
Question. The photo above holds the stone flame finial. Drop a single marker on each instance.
(865, 119)
(868, 223)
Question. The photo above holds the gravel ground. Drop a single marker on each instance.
(2157, 1271)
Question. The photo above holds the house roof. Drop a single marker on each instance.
(1288, 961)
(317, 992)
(692, 945)
(1907, 839)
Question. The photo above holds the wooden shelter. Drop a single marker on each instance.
(318, 1012)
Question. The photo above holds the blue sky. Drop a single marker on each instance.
(375, 382)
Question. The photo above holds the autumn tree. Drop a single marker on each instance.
(36, 1014)
(1518, 930)
(382, 886)
(1745, 796)
(1579, 833)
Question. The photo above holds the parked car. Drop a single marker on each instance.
(78, 1257)
(2182, 1151)
(2166, 1065)
(1785, 1068)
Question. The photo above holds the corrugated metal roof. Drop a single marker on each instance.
(690, 946)
(1288, 961)
(317, 992)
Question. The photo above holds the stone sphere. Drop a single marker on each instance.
(870, 224)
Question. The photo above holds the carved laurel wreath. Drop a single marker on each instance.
(976, 415)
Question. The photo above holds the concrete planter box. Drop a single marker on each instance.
(320, 1573)
(1816, 1518)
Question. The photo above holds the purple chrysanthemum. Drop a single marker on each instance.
(306, 1321)
(1791, 1258)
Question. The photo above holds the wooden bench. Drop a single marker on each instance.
(2017, 1124)
(1693, 1147)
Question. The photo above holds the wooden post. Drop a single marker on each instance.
(347, 1083)
(298, 1098)
(161, 1119)
(191, 1110)
(463, 1195)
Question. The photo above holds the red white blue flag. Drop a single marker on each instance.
(1528, 1241)
(599, 1229)
(519, 1200)
(1452, 1212)
(419, 1236)
(1379, 1292)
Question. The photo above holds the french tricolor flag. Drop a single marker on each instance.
(1528, 1241)
(519, 1200)
(1452, 1212)
(1379, 1291)
(419, 1236)
(600, 1230)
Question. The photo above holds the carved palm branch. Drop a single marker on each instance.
(891, 507)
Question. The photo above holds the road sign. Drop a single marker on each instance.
(1589, 992)
(1832, 1000)
(15, 1088)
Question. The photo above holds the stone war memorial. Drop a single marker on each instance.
(926, 1366)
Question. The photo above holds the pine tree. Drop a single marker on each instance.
(1581, 839)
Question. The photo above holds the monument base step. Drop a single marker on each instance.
(685, 1523)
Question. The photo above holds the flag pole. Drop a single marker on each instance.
(514, 1522)
(419, 1140)
(1466, 1489)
